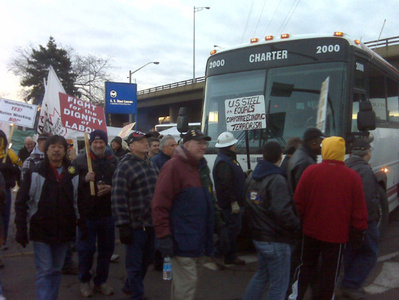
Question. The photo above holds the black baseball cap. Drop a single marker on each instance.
(361, 144)
(137, 136)
(195, 135)
(312, 133)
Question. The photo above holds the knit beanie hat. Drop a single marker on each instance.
(333, 148)
(98, 134)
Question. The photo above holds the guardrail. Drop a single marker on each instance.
(383, 43)
(171, 85)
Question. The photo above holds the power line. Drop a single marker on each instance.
(288, 17)
(271, 20)
(260, 16)
(246, 25)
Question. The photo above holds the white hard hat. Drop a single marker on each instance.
(226, 139)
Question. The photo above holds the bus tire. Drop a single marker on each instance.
(384, 210)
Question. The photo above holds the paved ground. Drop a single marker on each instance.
(19, 273)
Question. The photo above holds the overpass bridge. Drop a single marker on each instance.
(165, 100)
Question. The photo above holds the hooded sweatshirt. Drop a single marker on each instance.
(329, 196)
(272, 213)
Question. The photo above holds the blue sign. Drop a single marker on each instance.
(120, 98)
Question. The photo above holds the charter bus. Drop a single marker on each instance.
(287, 73)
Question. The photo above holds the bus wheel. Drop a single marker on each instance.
(384, 210)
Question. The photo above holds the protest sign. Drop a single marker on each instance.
(18, 113)
(80, 115)
(245, 113)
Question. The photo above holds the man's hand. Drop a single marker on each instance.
(90, 176)
(166, 246)
(235, 208)
(126, 234)
(22, 237)
(103, 189)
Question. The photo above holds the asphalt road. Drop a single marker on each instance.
(18, 275)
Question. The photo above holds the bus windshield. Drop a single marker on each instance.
(291, 97)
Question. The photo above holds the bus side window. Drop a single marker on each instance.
(393, 101)
(378, 95)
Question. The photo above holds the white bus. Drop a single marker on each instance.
(288, 72)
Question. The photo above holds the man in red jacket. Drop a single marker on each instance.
(329, 200)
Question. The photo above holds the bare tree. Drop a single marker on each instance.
(92, 73)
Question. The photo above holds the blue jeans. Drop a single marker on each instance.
(233, 222)
(49, 259)
(359, 262)
(101, 231)
(139, 255)
(274, 267)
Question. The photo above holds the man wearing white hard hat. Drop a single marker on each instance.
(229, 181)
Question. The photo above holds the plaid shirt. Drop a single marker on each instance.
(133, 187)
(34, 158)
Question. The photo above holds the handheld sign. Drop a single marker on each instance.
(82, 116)
(18, 113)
(245, 113)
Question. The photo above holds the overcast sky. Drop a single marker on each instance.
(132, 33)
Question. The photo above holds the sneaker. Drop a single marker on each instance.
(237, 261)
(114, 257)
(104, 289)
(4, 247)
(85, 290)
(353, 293)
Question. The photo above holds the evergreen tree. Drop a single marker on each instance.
(37, 68)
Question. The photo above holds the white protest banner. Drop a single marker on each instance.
(18, 113)
(245, 113)
(322, 110)
(80, 115)
(50, 119)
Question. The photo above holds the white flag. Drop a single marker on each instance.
(50, 119)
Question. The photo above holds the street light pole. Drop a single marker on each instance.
(194, 11)
(132, 72)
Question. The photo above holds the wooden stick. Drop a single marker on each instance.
(89, 165)
(9, 141)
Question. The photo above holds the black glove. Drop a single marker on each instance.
(22, 237)
(356, 238)
(84, 231)
(126, 234)
(166, 246)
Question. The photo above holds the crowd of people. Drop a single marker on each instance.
(159, 194)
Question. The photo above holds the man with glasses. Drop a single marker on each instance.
(359, 260)
(183, 215)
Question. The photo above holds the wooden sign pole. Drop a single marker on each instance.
(89, 165)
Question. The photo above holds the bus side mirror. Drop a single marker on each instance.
(366, 119)
(182, 120)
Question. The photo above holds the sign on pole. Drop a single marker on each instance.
(126, 130)
(80, 115)
(322, 111)
(120, 98)
(18, 113)
(245, 113)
